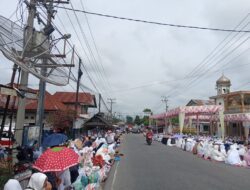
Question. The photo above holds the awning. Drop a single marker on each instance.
(194, 110)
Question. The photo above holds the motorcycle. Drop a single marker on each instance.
(25, 157)
(149, 139)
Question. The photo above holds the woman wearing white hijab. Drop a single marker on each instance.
(12, 184)
(208, 151)
(38, 181)
(200, 149)
(233, 157)
(217, 155)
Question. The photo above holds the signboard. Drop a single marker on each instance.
(30, 95)
(13, 92)
(8, 91)
(33, 132)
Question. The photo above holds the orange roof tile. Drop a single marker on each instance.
(70, 97)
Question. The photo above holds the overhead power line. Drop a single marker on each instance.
(154, 22)
(97, 51)
(221, 49)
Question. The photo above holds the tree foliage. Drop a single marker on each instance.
(145, 120)
(137, 120)
(147, 110)
(129, 119)
(174, 120)
(61, 119)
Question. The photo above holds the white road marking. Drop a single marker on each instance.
(114, 178)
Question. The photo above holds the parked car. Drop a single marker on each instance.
(136, 129)
(6, 140)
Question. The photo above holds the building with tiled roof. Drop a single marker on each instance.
(85, 100)
(60, 101)
(198, 102)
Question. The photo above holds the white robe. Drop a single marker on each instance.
(169, 142)
(233, 157)
(12, 184)
(242, 150)
(208, 151)
(223, 150)
(179, 142)
(189, 145)
(36, 181)
(216, 154)
(200, 149)
(66, 179)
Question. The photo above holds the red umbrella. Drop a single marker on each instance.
(56, 159)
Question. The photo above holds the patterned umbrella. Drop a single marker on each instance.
(56, 159)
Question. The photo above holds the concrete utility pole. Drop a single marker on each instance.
(111, 101)
(165, 100)
(42, 83)
(28, 35)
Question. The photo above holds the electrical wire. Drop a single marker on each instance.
(77, 54)
(153, 22)
(88, 47)
(212, 55)
(97, 51)
(83, 49)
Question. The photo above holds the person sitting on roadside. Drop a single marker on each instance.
(38, 181)
(12, 184)
(233, 157)
(87, 142)
(200, 149)
(216, 155)
(110, 137)
(247, 156)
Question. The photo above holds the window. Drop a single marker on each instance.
(206, 128)
(32, 117)
(247, 99)
(219, 103)
(26, 117)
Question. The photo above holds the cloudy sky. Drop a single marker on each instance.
(138, 63)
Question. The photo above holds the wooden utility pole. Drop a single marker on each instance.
(8, 101)
(99, 106)
(77, 86)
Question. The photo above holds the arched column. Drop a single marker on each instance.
(181, 121)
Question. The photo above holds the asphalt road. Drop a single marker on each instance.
(158, 167)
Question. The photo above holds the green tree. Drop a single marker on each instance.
(129, 119)
(145, 120)
(174, 120)
(147, 111)
(61, 119)
(137, 120)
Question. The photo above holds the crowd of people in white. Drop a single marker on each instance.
(210, 148)
(97, 153)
